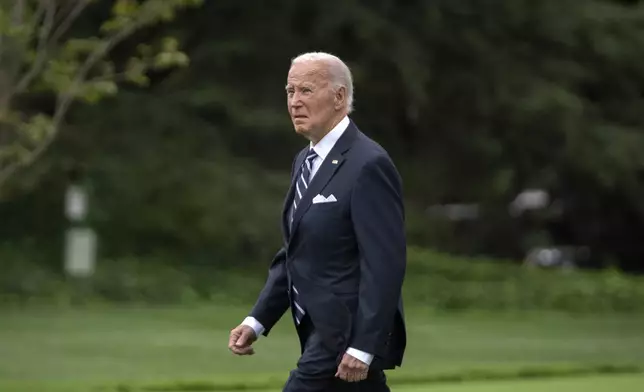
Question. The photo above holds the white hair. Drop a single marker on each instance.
(339, 72)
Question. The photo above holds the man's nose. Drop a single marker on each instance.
(295, 101)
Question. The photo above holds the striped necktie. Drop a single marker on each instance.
(302, 183)
(301, 186)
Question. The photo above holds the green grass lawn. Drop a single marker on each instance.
(588, 384)
(51, 349)
(585, 384)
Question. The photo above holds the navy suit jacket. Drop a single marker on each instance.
(346, 258)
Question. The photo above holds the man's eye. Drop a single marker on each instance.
(306, 90)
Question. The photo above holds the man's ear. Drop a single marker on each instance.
(340, 98)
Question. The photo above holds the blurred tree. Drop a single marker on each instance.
(476, 100)
(39, 55)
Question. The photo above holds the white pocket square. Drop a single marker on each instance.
(321, 199)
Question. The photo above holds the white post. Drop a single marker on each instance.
(80, 241)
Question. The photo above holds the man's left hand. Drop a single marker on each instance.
(352, 369)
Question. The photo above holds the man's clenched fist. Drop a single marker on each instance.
(241, 340)
(352, 369)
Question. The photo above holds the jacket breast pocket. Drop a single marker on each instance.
(333, 211)
(327, 205)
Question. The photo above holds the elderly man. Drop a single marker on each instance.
(342, 263)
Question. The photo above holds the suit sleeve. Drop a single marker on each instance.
(377, 214)
(273, 300)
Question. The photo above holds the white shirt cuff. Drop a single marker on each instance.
(360, 355)
(255, 325)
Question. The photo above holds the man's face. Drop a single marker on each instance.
(311, 99)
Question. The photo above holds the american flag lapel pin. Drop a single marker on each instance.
(335, 161)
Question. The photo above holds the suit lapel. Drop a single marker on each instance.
(289, 195)
(329, 167)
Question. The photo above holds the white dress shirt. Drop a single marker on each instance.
(322, 148)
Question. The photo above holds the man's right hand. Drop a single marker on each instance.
(241, 340)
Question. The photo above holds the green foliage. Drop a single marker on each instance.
(144, 280)
(474, 100)
(39, 55)
(26, 278)
(185, 196)
(434, 280)
(457, 283)
(155, 280)
(30, 279)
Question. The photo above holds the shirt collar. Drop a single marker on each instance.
(324, 146)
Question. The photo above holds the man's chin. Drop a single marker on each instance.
(301, 130)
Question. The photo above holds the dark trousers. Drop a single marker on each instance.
(317, 366)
